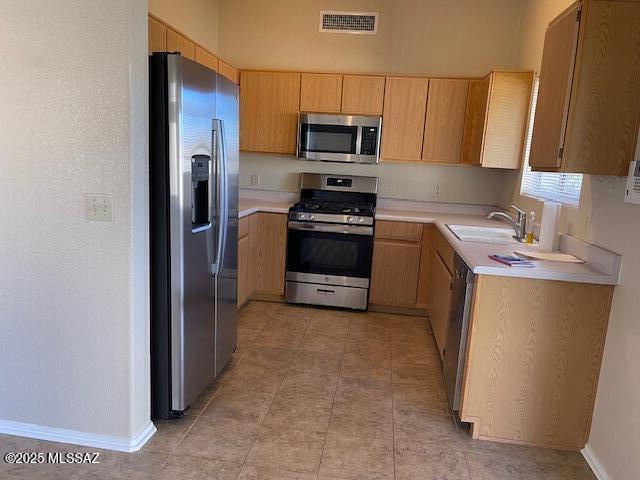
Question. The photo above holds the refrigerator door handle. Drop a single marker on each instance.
(221, 207)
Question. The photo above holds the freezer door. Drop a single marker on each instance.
(226, 164)
(191, 106)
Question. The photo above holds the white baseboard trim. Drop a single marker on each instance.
(74, 437)
(594, 463)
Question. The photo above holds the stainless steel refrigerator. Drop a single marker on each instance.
(194, 139)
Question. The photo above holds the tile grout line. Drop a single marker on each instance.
(288, 369)
(333, 399)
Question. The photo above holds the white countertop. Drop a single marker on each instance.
(247, 206)
(476, 255)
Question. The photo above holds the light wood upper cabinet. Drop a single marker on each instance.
(157, 32)
(587, 116)
(267, 250)
(444, 122)
(394, 273)
(228, 71)
(362, 94)
(206, 58)
(474, 121)
(179, 43)
(558, 61)
(507, 106)
(320, 92)
(269, 105)
(405, 101)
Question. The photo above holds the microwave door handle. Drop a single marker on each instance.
(358, 140)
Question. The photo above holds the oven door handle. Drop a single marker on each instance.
(332, 228)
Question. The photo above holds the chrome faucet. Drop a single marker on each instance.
(519, 224)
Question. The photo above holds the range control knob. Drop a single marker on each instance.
(312, 217)
(350, 219)
(361, 220)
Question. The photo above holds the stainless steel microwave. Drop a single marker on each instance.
(339, 138)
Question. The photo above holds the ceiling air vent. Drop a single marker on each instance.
(349, 22)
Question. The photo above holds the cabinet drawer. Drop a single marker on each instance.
(445, 250)
(399, 230)
(243, 227)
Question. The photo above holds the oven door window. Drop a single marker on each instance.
(329, 253)
(328, 138)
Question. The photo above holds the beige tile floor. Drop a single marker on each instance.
(316, 394)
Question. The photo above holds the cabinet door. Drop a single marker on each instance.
(394, 273)
(267, 247)
(206, 58)
(507, 118)
(362, 94)
(444, 124)
(426, 258)
(244, 280)
(440, 301)
(269, 103)
(157, 36)
(556, 78)
(179, 43)
(405, 101)
(320, 92)
(474, 121)
(228, 71)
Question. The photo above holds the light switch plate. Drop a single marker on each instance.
(99, 207)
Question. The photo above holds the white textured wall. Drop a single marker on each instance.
(406, 181)
(73, 293)
(604, 219)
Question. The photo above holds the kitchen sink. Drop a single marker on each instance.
(470, 233)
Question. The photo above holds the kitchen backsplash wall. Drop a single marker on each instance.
(427, 183)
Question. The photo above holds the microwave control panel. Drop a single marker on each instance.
(632, 193)
(369, 143)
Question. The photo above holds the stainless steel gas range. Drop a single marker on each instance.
(330, 241)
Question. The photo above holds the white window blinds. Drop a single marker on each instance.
(558, 187)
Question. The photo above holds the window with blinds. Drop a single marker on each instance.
(558, 187)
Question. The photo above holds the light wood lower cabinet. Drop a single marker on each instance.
(394, 273)
(533, 360)
(267, 250)
(440, 292)
(244, 279)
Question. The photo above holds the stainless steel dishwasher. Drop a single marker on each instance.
(456, 347)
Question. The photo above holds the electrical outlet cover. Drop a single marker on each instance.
(99, 207)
